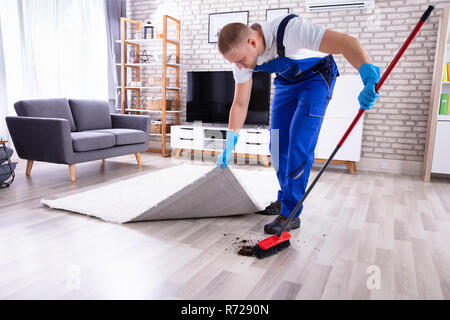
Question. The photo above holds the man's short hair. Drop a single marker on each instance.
(232, 35)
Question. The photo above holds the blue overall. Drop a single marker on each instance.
(303, 89)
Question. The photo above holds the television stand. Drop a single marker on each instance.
(252, 143)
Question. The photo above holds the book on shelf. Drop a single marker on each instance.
(444, 104)
(448, 71)
(445, 76)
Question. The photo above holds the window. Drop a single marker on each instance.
(55, 48)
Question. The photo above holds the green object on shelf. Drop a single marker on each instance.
(444, 104)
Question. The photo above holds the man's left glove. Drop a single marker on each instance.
(370, 76)
(230, 143)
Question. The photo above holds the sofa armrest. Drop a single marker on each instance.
(41, 139)
(131, 121)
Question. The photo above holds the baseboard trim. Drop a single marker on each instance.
(390, 166)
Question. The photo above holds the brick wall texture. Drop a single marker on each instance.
(396, 127)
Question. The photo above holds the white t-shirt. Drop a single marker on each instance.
(301, 40)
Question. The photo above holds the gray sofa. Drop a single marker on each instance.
(74, 131)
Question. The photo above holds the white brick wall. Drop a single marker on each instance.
(396, 127)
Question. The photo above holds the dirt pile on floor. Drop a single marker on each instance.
(245, 251)
(242, 246)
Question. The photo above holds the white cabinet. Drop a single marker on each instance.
(182, 131)
(341, 111)
(251, 141)
(441, 154)
(330, 135)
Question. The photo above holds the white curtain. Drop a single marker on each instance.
(52, 49)
(115, 9)
(55, 48)
(3, 98)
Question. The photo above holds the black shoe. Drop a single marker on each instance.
(272, 209)
(276, 225)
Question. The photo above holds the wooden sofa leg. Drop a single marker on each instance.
(72, 172)
(29, 166)
(138, 159)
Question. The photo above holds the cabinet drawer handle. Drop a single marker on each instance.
(187, 128)
(191, 139)
(254, 143)
(257, 132)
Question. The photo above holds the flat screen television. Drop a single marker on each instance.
(210, 95)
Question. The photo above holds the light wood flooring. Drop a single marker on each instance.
(363, 236)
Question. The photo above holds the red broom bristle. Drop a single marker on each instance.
(274, 240)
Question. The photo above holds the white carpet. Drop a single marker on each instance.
(182, 191)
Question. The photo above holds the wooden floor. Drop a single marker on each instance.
(363, 236)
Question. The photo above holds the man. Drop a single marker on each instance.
(303, 88)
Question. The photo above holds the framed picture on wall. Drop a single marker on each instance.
(275, 13)
(218, 20)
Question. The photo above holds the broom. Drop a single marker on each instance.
(274, 244)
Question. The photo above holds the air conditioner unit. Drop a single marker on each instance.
(332, 5)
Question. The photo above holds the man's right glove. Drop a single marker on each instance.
(230, 143)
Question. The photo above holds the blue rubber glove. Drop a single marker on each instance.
(230, 143)
(370, 75)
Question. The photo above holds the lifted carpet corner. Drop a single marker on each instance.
(217, 193)
(182, 191)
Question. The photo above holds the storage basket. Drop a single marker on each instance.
(157, 125)
(157, 104)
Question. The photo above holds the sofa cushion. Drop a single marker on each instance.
(89, 140)
(126, 136)
(90, 114)
(46, 108)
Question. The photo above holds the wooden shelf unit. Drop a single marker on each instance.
(437, 153)
(137, 43)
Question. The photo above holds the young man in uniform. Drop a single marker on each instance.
(303, 88)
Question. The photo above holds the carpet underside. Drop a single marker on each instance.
(182, 191)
